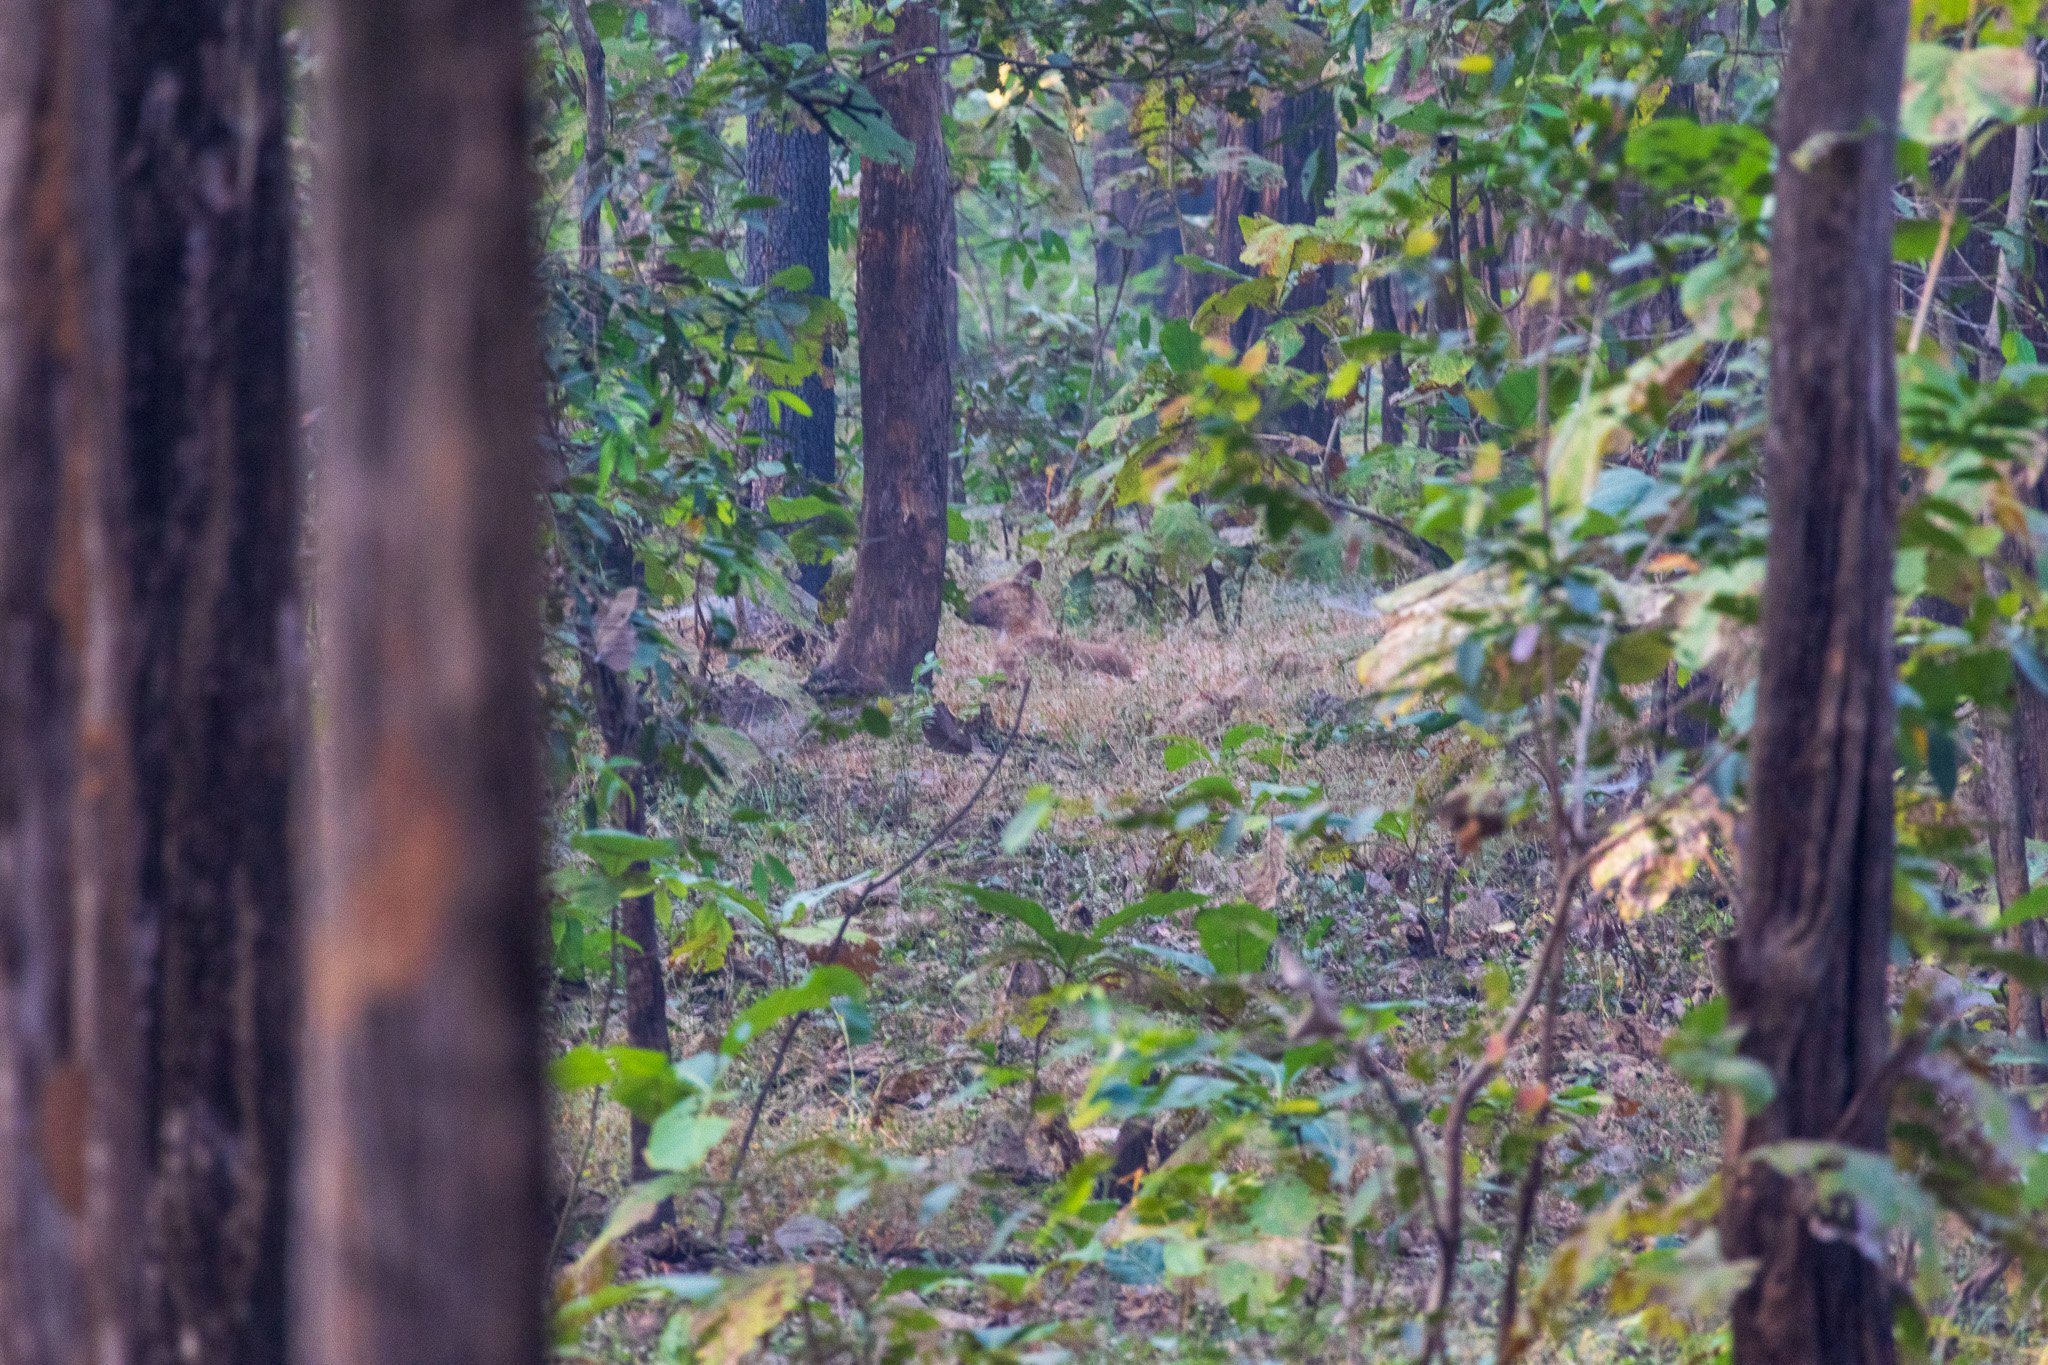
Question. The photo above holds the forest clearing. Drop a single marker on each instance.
(1023, 681)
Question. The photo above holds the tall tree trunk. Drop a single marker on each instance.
(420, 1234)
(69, 1123)
(211, 553)
(906, 315)
(1299, 133)
(616, 697)
(621, 721)
(1806, 972)
(789, 159)
(2005, 737)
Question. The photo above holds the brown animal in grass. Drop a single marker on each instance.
(1024, 629)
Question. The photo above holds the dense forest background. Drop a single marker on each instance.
(695, 680)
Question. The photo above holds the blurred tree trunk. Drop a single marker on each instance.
(789, 159)
(1394, 368)
(675, 22)
(906, 317)
(1806, 971)
(1299, 134)
(211, 545)
(70, 1120)
(420, 1235)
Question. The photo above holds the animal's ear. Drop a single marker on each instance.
(1031, 571)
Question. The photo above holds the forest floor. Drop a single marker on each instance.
(1403, 920)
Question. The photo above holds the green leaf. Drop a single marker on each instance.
(1950, 91)
(1029, 819)
(608, 17)
(1158, 905)
(580, 1068)
(680, 1140)
(1639, 656)
(786, 510)
(616, 850)
(1236, 937)
(2031, 906)
(1181, 345)
(815, 992)
(1067, 947)
(1598, 424)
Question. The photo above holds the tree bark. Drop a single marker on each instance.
(789, 159)
(1806, 972)
(421, 1230)
(211, 431)
(906, 315)
(1394, 368)
(69, 1123)
(1299, 133)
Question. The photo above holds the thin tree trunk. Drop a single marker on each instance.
(2004, 736)
(616, 698)
(211, 555)
(1806, 972)
(69, 1122)
(596, 153)
(2005, 810)
(906, 316)
(789, 159)
(421, 1232)
(1394, 368)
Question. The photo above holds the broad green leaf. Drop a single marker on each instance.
(616, 850)
(1181, 345)
(680, 1139)
(1155, 906)
(815, 992)
(1067, 947)
(1236, 937)
(580, 1068)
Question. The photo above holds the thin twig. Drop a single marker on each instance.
(1948, 223)
(831, 953)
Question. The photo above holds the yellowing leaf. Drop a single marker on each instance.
(1598, 424)
(1422, 630)
(1650, 857)
(1949, 92)
(750, 1310)
(1420, 241)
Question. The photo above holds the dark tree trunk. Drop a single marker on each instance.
(1806, 972)
(1299, 134)
(906, 315)
(1238, 139)
(211, 552)
(69, 1122)
(789, 159)
(615, 698)
(1394, 368)
(420, 1235)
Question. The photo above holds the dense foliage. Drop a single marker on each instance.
(1466, 300)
